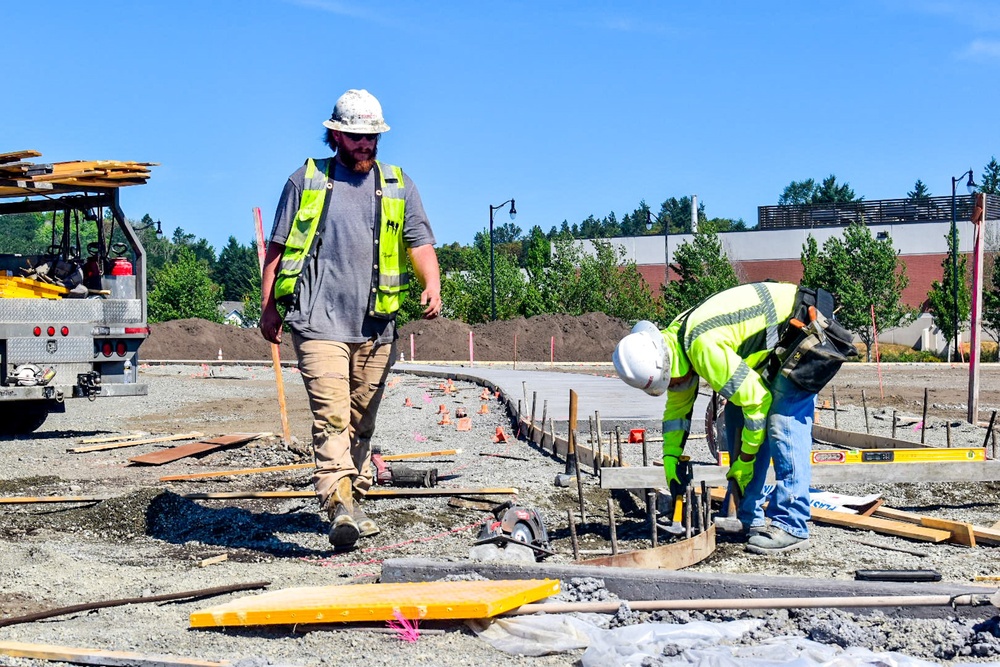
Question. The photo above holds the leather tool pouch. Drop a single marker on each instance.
(811, 356)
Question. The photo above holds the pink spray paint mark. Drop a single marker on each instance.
(406, 630)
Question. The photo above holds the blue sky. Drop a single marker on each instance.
(572, 108)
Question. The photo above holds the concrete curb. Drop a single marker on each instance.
(641, 584)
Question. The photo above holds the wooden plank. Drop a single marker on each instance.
(673, 556)
(90, 656)
(372, 493)
(377, 602)
(194, 448)
(15, 156)
(855, 440)
(28, 500)
(111, 438)
(133, 443)
(964, 533)
(884, 526)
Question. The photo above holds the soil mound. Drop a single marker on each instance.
(201, 340)
(587, 338)
(590, 337)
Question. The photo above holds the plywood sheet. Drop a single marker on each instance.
(377, 602)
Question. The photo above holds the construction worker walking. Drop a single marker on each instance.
(768, 348)
(336, 263)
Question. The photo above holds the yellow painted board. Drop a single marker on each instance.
(377, 602)
(876, 456)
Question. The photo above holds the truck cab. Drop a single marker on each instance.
(72, 297)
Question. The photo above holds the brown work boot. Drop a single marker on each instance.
(366, 525)
(344, 530)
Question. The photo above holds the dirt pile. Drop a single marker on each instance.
(590, 337)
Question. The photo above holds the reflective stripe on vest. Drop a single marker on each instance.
(389, 282)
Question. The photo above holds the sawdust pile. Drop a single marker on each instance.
(587, 338)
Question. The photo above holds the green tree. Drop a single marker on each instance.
(989, 182)
(238, 270)
(829, 192)
(943, 295)
(609, 284)
(991, 304)
(19, 233)
(809, 192)
(468, 296)
(797, 193)
(251, 307)
(919, 191)
(862, 273)
(452, 257)
(702, 268)
(184, 289)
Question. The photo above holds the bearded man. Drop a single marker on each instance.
(336, 263)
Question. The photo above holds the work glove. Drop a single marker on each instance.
(670, 470)
(741, 472)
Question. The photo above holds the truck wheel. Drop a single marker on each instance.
(19, 417)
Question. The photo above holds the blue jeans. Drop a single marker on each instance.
(789, 443)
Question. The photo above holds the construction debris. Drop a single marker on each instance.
(20, 177)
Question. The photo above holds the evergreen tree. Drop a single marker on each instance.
(944, 293)
(861, 272)
(989, 182)
(184, 289)
(702, 268)
(919, 191)
(797, 193)
(829, 192)
(237, 270)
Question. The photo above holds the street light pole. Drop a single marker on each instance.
(493, 286)
(971, 186)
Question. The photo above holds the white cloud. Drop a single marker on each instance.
(348, 9)
(982, 49)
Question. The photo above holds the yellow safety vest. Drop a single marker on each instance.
(725, 340)
(389, 281)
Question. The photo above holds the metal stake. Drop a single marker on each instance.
(923, 424)
(579, 489)
(834, 389)
(545, 414)
(893, 424)
(864, 404)
(947, 430)
(572, 534)
(618, 444)
(613, 527)
(651, 513)
(688, 510)
(531, 426)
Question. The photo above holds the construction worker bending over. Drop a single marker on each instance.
(336, 262)
(768, 348)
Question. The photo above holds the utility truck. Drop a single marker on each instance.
(72, 288)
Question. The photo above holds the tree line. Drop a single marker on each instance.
(546, 272)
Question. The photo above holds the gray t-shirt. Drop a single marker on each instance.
(337, 282)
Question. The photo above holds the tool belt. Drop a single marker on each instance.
(813, 345)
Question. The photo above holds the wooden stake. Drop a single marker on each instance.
(545, 414)
(221, 558)
(531, 425)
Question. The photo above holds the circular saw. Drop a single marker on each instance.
(515, 524)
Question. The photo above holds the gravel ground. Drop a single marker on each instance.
(148, 540)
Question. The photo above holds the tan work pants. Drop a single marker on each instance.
(345, 383)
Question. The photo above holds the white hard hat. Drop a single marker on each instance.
(357, 111)
(642, 360)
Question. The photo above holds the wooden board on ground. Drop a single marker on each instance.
(195, 448)
(27, 500)
(673, 556)
(877, 525)
(377, 602)
(89, 656)
(133, 443)
(962, 533)
(855, 440)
